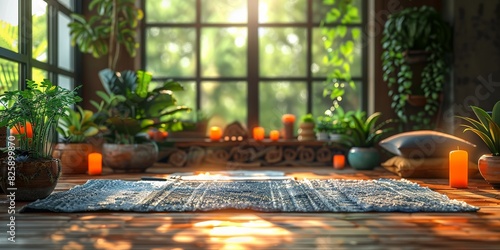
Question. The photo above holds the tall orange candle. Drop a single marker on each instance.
(258, 133)
(459, 161)
(95, 164)
(288, 121)
(215, 133)
(338, 161)
(274, 135)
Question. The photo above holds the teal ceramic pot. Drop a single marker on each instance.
(363, 158)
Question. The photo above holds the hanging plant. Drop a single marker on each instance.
(412, 35)
(339, 42)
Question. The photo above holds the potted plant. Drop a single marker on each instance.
(324, 125)
(487, 127)
(340, 124)
(105, 33)
(130, 109)
(306, 128)
(415, 45)
(75, 128)
(33, 114)
(362, 136)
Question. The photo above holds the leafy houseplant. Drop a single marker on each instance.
(33, 113)
(487, 127)
(75, 128)
(104, 33)
(324, 125)
(78, 125)
(416, 39)
(363, 134)
(129, 110)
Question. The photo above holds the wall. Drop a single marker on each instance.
(474, 78)
(476, 74)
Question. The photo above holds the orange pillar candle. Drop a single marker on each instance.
(274, 135)
(459, 161)
(95, 164)
(215, 133)
(258, 133)
(288, 121)
(338, 161)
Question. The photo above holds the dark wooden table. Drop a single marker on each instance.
(252, 230)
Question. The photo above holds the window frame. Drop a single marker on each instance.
(253, 78)
(24, 58)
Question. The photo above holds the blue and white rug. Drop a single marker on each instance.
(177, 195)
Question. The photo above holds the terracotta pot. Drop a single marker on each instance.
(130, 158)
(33, 179)
(417, 100)
(489, 167)
(363, 158)
(306, 132)
(73, 156)
(416, 56)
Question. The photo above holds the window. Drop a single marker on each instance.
(35, 43)
(247, 61)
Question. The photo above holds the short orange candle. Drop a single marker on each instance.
(274, 135)
(338, 161)
(215, 133)
(95, 164)
(459, 161)
(22, 131)
(258, 133)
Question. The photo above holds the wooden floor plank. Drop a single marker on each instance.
(252, 230)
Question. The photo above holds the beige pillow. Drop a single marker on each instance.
(424, 144)
(423, 168)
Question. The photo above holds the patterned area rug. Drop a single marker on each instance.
(176, 195)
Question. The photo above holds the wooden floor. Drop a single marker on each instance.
(251, 230)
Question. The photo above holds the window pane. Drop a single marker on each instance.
(65, 82)
(282, 52)
(351, 99)
(282, 11)
(187, 97)
(340, 48)
(39, 74)
(170, 52)
(67, 3)
(354, 15)
(171, 11)
(9, 25)
(225, 102)
(224, 11)
(224, 52)
(65, 50)
(9, 76)
(40, 33)
(278, 98)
